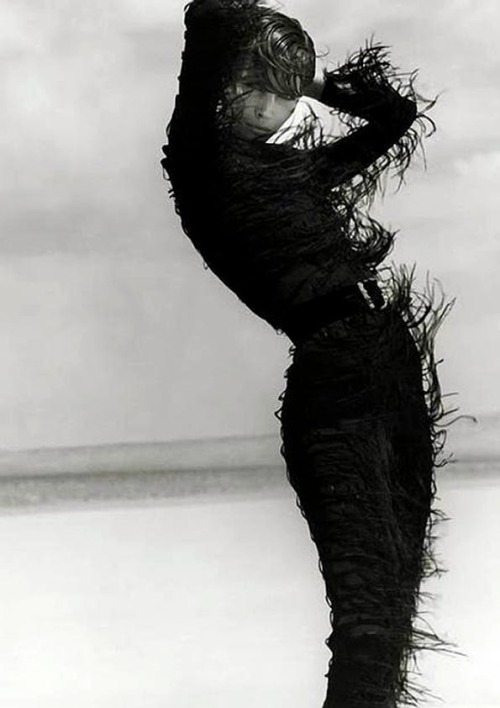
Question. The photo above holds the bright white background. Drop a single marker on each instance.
(217, 601)
(111, 329)
(113, 332)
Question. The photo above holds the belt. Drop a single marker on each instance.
(305, 319)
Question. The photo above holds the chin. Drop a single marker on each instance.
(259, 134)
(248, 132)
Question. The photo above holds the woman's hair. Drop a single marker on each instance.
(280, 58)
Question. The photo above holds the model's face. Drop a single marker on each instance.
(256, 114)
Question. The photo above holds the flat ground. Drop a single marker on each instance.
(216, 602)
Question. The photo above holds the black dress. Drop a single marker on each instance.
(286, 229)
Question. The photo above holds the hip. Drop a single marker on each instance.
(366, 363)
(366, 340)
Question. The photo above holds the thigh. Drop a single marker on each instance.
(357, 446)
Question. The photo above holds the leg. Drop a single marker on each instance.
(342, 482)
(357, 441)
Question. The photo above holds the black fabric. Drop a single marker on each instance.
(361, 438)
(337, 305)
(361, 417)
(274, 252)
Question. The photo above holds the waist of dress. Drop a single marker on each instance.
(306, 318)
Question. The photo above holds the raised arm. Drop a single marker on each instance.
(362, 91)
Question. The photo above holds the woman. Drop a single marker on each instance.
(276, 204)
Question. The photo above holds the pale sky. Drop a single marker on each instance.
(112, 329)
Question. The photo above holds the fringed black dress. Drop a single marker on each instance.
(287, 231)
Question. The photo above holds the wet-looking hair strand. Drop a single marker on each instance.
(280, 58)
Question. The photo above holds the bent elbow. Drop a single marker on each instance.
(408, 112)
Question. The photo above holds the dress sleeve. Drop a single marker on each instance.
(361, 89)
